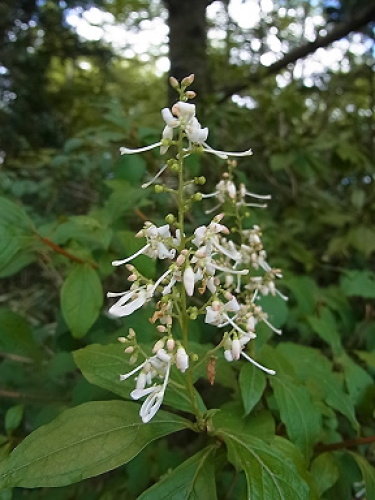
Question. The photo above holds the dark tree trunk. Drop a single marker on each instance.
(188, 43)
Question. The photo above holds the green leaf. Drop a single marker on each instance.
(325, 471)
(357, 380)
(81, 299)
(252, 384)
(367, 357)
(276, 309)
(13, 418)
(230, 418)
(325, 326)
(16, 336)
(6, 494)
(102, 365)
(313, 368)
(83, 442)
(13, 215)
(130, 168)
(359, 284)
(362, 239)
(193, 479)
(269, 473)
(301, 417)
(304, 291)
(9, 246)
(368, 474)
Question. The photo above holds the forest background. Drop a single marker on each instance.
(293, 80)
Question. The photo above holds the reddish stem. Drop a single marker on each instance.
(350, 443)
(61, 251)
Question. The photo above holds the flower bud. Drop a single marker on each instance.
(163, 356)
(141, 381)
(188, 80)
(190, 94)
(129, 349)
(123, 340)
(170, 344)
(236, 348)
(188, 280)
(174, 82)
(170, 218)
(158, 345)
(228, 355)
(182, 360)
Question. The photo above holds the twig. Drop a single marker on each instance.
(61, 251)
(16, 357)
(350, 443)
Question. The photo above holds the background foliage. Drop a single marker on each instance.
(69, 205)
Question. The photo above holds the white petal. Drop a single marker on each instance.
(150, 406)
(121, 310)
(139, 393)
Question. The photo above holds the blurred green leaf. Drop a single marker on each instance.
(16, 336)
(13, 418)
(358, 284)
(81, 299)
(325, 326)
(14, 216)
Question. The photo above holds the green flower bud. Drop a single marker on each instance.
(170, 219)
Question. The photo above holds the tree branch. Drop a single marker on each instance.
(340, 31)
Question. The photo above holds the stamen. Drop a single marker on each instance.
(127, 375)
(258, 365)
(147, 184)
(231, 271)
(127, 151)
(273, 328)
(128, 259)
(259, 196)
(284, 297)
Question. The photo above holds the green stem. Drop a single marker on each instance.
(184, 319)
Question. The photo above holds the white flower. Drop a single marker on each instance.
(158, 246)
(156, 366)
(183, 115)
